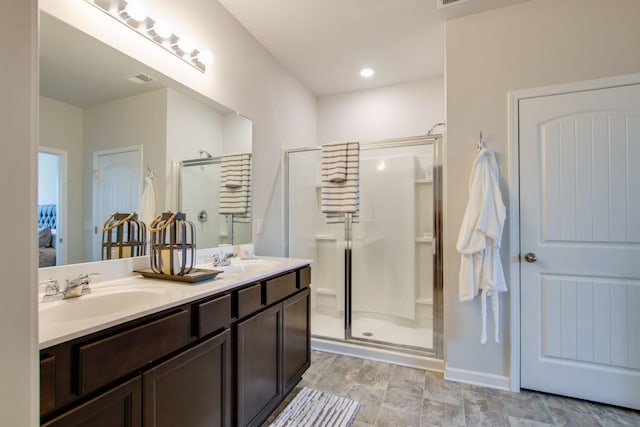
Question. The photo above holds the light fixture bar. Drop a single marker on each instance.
(162, 35)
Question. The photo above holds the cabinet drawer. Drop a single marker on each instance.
(47, 383)
(110, 358)
(213, 315)
(280, 287)
(304, 277)
(249, 300)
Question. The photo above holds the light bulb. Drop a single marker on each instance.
(206, 57)
(162, 29)
(136, 11)
(366, 72)
(186, 45)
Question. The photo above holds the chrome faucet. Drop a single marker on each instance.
(52, 291)
(222, 259)
(78, 286)
(73, 289)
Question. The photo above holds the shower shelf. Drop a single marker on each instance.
(424, 239)
(424, 181)
(424, 301)
(327, 237)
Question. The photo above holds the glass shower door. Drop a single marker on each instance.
(372, 277)
(392, 257)
(311, 237)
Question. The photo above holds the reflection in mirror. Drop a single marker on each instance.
(215, 192)
(110, 121)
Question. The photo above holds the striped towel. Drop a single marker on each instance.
(235, 186)
(336, 162)
(339, 197)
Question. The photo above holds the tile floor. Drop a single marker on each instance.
(393, 395)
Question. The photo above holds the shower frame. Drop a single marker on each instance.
(438, 295)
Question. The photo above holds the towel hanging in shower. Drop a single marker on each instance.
(340, 179)
(479, 239)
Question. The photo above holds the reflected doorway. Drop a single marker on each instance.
(117, 187)
(52, 195)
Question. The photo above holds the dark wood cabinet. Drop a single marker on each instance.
(192, 389)
(225, 359)
(296, 343)
(119, 407)
(167, 334)
(259, 381)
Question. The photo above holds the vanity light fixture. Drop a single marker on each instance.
(162, 29)
(133, 14)
(367, 72)
(136, 11)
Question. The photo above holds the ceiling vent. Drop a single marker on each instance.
(140, 78)
(446, 3)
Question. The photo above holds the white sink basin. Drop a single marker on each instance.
(245, 266)
(101, 302)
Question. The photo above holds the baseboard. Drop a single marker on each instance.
(382, 355)
(499, 382)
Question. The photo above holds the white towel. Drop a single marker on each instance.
(479, 239)
(235, 186)
(341, 196)
(233, 168)
(336, 162)
(147, 205)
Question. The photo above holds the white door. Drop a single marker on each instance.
(117, 187)
(580, 216)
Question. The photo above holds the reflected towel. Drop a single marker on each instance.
(235, 186)
(147, 205)
(233, 169)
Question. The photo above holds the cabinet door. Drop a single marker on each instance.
(258, 366)
(119, 407)
(191, 389)
(296, 344)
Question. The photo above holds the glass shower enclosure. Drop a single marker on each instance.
(376, 277)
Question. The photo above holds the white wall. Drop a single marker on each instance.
(402, 110)
(537, 43)
(19, 395)
(61, 127)
(191, 126)
(245, 77)
(237, 134)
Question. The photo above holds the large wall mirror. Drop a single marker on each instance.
(108, 122)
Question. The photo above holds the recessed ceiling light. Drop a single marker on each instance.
(366, 72)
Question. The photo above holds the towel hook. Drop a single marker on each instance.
(481, 144)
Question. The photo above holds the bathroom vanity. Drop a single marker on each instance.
(220, 353)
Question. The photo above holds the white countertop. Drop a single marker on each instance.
(166, 294)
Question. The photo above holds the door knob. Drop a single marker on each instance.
(530, 257)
